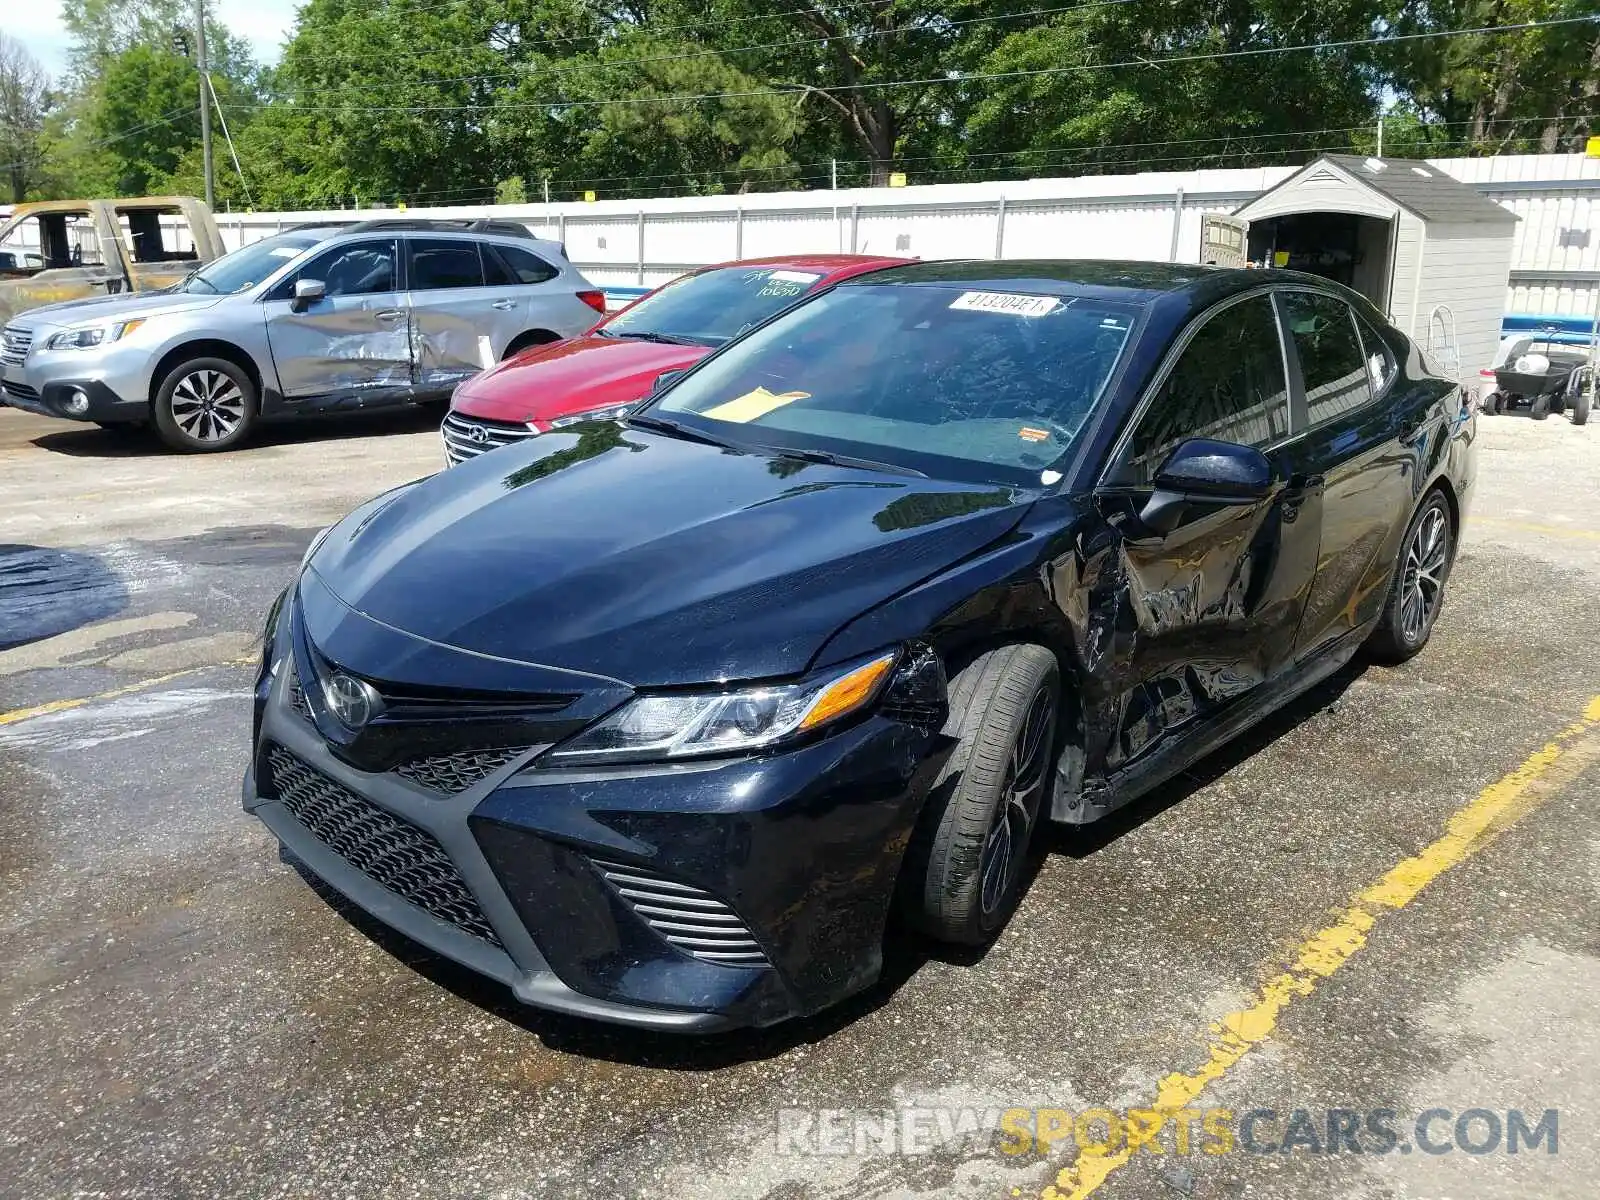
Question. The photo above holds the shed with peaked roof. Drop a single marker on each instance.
(1427, 249)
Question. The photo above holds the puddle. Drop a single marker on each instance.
(46, 592)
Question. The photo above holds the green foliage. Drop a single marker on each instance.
(438, 103)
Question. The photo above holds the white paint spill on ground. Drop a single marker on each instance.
(112, 720)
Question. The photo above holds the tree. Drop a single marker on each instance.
(1531, 90)
(23, 103)
(511, 190)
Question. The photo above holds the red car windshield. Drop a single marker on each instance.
(710, 307)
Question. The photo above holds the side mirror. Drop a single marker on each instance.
(306, 293)
(1205, 473)
(663, 379)
(1223, 471)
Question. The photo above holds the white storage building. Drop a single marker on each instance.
(1432, 252)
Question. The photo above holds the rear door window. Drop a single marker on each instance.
(441, 263)
(1332, 361)
(508, 266)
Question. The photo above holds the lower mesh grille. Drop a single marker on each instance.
(448, 774)
(392, 852)
(690, 918)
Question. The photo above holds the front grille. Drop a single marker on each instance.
(20, 390)
(389, 850)
(467, 437)
(448, 774)
(14, 345)
(690, 918)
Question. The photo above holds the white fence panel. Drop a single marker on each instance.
(1153, 216)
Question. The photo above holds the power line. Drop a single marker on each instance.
(660, 31)
(956, 77)
(604, 65)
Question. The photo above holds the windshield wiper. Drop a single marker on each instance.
(676, 429)
(666, 339)
(842, 460)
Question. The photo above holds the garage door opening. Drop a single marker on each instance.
(1347, 248)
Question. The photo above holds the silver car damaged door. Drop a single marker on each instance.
(459, 325)
(352, 345)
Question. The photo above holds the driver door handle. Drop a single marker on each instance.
(391, 314)
(504, 305)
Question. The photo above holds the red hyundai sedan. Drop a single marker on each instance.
(618, 361)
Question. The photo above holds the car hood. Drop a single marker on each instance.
(571, 376)
(92, 309)
(648, 559)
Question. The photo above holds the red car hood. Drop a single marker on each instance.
(571, 376)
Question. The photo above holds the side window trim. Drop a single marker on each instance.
(1299, 408)
(1170, 361)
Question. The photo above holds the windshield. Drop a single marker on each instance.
(941, 379)
(247, 266)
(710, 307)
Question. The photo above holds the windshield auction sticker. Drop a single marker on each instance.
(1005, 302)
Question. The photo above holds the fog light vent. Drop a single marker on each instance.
(690, 918)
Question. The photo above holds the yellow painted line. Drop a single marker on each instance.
(55, 706)
(1532, 527)
(1468, 831)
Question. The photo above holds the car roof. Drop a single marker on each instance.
(1182, 286)
(834, 266)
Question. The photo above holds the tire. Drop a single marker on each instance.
(1540, 409)
(967, 857)
(1405, 628)
(205, 405)
(535, 337)
(1580, 407)
(1493, 404)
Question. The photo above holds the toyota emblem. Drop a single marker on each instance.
(352, 701)
(478, 435)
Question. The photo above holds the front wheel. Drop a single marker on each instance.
(1540, 409)
(971, 847)
(1416, 593)
(1580, 407)
(205, 405)
(1493, 404)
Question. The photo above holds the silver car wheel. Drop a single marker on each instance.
(207, 405)
(1423, 585)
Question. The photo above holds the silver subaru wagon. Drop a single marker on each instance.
(315, 319)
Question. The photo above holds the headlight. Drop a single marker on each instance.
(87, 339)
(653, 728)
(615, 413)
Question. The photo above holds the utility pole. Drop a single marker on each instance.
(834, 174)
(205, 99)
(1380, 136)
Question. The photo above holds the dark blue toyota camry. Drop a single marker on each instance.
(661, 720)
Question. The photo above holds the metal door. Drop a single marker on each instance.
(352, 344)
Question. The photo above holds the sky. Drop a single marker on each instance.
(37, 25)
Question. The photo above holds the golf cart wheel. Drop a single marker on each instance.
(1580, 407)
(1493, 404)
(1540, 408)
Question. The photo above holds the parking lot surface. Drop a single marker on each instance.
(1385, 898)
